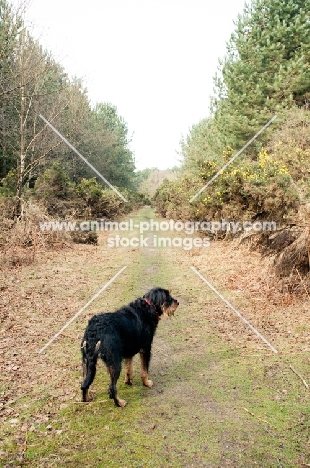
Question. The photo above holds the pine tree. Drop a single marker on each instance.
(266, 69)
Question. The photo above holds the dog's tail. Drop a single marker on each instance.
(89, 360)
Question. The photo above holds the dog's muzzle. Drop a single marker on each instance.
(169, 310)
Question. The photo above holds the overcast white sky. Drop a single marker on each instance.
(153, 59)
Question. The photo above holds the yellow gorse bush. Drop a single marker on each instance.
(244, 188)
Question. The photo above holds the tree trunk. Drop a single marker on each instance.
(18, 207)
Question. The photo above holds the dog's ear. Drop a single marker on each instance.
(157, 296)
(163, 296)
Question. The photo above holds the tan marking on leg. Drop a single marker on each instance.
(84, 345)
(144, 374)
(87, 397)
(120, 402)
(117, 401)
(97, 346)
(128, 371)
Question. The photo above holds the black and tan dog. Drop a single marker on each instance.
(122, 334)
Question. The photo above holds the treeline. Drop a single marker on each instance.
(32, 83)
(265, 72)
(152, 178)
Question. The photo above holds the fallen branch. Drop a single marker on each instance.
(303, 283)
(68, 336)
(260, 419)
(301, 378)
(89, 402)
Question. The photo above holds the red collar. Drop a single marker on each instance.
(151, 305)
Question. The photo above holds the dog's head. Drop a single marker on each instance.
(162, 301)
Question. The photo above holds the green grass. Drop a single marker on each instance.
(212, 405)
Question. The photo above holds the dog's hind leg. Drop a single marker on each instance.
(145, 357)
(128, 371)
(91, 372)
(85, 396)
(89, 361)
(114, 372)
(84, 359)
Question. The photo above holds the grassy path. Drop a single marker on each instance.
(220, 397)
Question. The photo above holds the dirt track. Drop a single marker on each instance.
(220, 396)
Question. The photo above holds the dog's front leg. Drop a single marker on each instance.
(128, 371)
(145, 357)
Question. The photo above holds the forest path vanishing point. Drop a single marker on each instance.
(221, 396)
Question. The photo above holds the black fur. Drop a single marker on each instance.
(122, 334)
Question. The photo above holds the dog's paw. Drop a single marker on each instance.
(128, 381)
(86, 397)
(148, 383)
(121, 403)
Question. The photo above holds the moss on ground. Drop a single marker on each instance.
(212, 405)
